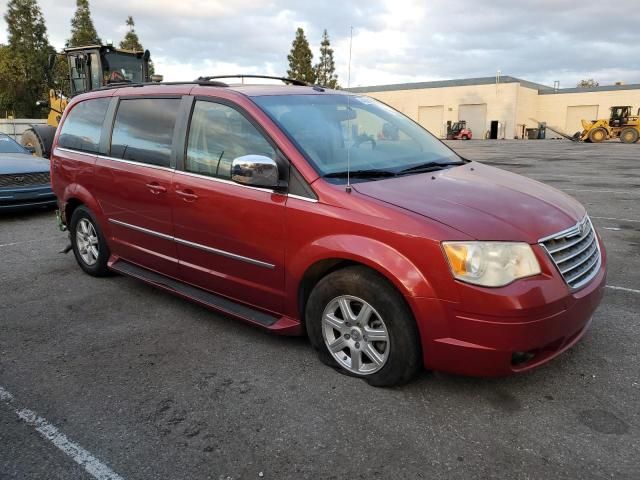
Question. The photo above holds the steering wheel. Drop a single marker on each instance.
(364, 139)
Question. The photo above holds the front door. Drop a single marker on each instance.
(133, 183)
(229, 237)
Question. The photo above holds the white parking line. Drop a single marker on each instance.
(45, 239)
(616, 219)
(82, 457)
(624, 289)
(620, 192)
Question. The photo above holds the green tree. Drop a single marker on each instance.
(326, 67)
(132, 42)
(588, 83)
(82, 30)
(300, 58)
(24, 60)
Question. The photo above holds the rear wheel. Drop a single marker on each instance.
(88, 243)
(597, 135)
(629, 135)
(357, 322)
(30, 139)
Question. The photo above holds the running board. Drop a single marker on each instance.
(198, 295)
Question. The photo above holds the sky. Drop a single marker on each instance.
(394, 41)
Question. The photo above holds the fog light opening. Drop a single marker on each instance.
(518, 358)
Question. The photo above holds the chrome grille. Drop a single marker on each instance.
(575, 252)
(24, 179)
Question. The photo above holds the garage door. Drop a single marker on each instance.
(576, 113)
(476, 117)
(431, 118)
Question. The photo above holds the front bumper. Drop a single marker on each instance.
(517, 335)
(17, 198)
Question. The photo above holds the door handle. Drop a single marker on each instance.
(187, 195)
(156, 188)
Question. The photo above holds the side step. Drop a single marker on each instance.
(201, 296)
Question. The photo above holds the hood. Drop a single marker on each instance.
(483, 202)
(22, 163)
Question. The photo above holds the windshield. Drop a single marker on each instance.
(9, 145)
(328, 128)
(121, 67)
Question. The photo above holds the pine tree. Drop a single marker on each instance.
(326, 67)
(25, 76)
(83, 32)
(300, 57)
(131, 40)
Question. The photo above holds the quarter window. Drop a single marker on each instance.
(143, 130)
(83, 125)
(217, 135)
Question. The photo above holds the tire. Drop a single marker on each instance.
(29, 138)
(629, 135)
(389, 318)
(87, 240)
(598, 135)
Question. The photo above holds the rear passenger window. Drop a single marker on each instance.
(143, 130)
(81, 129)
(217, 135)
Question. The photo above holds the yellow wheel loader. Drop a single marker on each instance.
(621, 124)
(90, 68)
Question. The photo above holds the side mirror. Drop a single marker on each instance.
(52, 61)
(30, 148)
(157, 78)
(255, 171)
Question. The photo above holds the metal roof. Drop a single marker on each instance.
(467, 82)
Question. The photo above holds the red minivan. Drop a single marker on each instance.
(304, 210)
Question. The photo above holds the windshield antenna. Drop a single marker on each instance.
(349, 132)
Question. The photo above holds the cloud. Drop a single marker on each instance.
(393, 40)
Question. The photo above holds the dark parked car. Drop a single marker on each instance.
(303, 210)
(24, 179)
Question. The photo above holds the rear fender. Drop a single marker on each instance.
(75, 192)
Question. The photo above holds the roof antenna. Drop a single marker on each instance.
(349, 132)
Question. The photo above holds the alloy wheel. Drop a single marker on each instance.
(87, 241)
(355, 335)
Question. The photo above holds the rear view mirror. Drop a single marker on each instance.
(255, 171)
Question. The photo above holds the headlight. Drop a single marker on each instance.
(491, 264)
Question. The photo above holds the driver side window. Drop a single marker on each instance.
(217, 135)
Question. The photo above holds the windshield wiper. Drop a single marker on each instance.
(428, 167)
(361, 174)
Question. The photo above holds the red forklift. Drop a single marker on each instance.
(458, 131)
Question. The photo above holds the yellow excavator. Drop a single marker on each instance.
(621, 124)
(90, 68)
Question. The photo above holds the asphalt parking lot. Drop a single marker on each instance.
(143, 385)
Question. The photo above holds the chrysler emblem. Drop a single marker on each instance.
(584, 228)
(19, 179)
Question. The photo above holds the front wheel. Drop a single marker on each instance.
(598, 135)
(359, 323)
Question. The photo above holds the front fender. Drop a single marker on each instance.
(389, 262)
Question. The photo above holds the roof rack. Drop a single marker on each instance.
(286, 80)
(210, 81)
(112, 86)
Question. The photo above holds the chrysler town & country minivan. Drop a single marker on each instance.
(303, 210)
